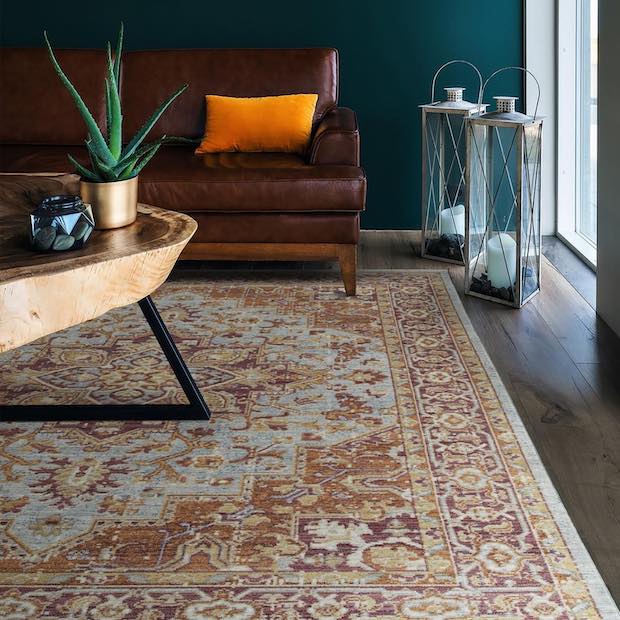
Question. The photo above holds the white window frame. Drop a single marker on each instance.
(540, 52)
(569, 121)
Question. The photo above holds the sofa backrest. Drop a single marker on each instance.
(35, 108)
(150, 76)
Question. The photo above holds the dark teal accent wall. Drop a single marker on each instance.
(389, 51)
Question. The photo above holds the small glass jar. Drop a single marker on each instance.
(61, 223)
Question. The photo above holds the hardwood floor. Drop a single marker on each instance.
(561, 365)
(571, 267)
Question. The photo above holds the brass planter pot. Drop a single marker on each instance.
(114, 203)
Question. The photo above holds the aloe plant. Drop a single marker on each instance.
(109, 159)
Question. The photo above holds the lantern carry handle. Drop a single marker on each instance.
(451, 62)
(506, 69)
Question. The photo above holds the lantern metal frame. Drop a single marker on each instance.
(517, 193)
(437, 157)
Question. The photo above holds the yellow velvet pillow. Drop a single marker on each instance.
(249, 124)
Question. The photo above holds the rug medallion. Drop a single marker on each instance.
(363, 461)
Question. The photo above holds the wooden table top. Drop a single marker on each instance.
(41, 293)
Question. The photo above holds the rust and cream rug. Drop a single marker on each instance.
(363, 462)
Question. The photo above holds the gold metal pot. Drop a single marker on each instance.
(114, 203)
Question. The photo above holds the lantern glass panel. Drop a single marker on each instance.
(478, 193)
(530, 219)
(493, 240)
(445, 153)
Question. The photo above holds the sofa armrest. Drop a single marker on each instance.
(337, 139)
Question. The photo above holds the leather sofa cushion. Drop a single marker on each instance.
(241, 182)
(150, 76)
(35, 108)
(232, 182)
(276, 227)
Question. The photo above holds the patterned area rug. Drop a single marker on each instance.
(363, 461)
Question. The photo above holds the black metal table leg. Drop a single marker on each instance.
(185, 379)
(197, 408)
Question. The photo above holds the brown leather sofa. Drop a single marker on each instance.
(249, 206)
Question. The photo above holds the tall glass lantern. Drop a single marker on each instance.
(443, 171)
(502, 258)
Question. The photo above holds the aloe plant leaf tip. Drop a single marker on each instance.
(109, 160)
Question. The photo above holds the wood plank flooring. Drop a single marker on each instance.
(561, 366)
(571, 267)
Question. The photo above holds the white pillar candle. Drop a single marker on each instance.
(502, 261)
(452, 221)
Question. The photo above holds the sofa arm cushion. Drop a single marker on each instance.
(337, 139)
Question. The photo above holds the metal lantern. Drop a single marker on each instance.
(502, 259)
(443, 171)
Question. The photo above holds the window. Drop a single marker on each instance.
(586, 134)
(577, 125)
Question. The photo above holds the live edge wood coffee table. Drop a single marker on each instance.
(44, 293)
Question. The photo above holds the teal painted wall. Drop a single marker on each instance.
(389, 51)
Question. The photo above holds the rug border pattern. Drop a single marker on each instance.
(590, 574)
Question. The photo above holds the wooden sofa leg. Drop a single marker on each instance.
(347, 257)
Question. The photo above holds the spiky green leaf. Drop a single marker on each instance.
(146, 159)
(115, 132)
(126, 161)
(135, 169)
(91, 156)
(99, 143)
(83, 170)
(144, 130)
(101, 169)
(105, 171)
(108, 108)
(179, 140)
(117, 57)
(126, 173)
